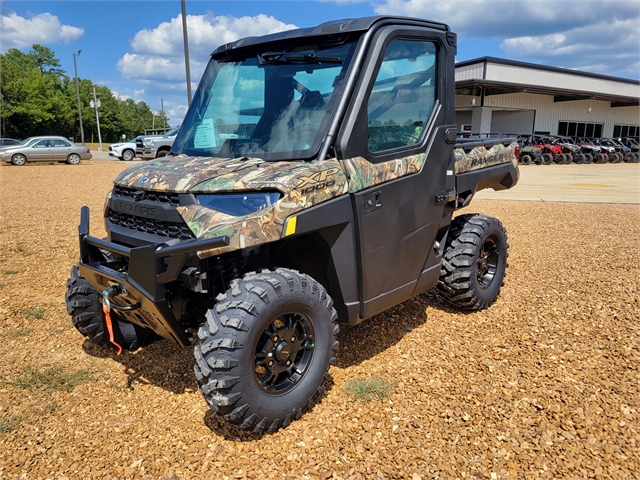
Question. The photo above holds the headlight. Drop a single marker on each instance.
(239, 204)
(107, 201)
(149, 143)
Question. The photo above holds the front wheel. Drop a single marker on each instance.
(128, 155)
(265, 349)
(162, 153)
(83, 304)
(525, 159)
(18, 160)
(474, 262)
(547, 159)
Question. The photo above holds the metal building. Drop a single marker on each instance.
(503, 96)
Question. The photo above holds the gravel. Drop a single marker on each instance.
(544, 384)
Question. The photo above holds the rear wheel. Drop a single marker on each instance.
(560, 158)
(84, 306)
(474, 262)
(18, 160)
(265, 349)
(73, 159)
(615, 158)
(578, 158)
(588, 158)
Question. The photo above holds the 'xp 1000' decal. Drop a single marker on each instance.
(317, 181)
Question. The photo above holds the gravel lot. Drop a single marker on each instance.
(544, 384)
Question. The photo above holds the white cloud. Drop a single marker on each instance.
(592, 35)
(157, 57)
(120, 96)
(19, 32)
(205, 32)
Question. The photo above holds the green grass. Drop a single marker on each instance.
(51, 379)
(10, 272)
(367, 389)
(34, 312)
(23, 332)
(8, 423)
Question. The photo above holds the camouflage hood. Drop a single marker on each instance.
(183, 174)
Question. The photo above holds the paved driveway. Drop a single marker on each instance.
(608, 183)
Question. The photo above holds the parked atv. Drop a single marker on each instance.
(528, 154)
(548, 151)
(314, 180)
(570, 150)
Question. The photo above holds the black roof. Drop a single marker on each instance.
(333, 27)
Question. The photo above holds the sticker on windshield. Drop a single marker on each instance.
(205, 136)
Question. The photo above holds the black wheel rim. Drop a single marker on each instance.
(487, 263)
(283, 353)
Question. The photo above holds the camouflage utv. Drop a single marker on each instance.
(313, 181)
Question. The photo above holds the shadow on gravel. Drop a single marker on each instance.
(161, 363)
(375, 335)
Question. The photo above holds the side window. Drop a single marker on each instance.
(403, 95)
(61, 143)
(43, 144)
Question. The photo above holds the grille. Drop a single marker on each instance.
(161, 197)
(177, 230)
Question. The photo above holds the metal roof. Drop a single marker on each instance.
(498, 76)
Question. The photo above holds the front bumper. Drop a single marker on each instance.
(142, 283)
(148, 153)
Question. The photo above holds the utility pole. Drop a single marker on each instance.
(164, 122)
(186, 50)
(75, 68)
(97, 105)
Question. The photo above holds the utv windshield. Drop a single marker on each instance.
(273, 104)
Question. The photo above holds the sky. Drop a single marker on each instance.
(136, 49)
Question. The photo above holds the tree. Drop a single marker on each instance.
(38, 98)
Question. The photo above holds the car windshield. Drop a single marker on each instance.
(272, 104)
(27, 141)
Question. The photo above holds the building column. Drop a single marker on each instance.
(481, 119)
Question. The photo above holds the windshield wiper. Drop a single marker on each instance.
(273, 57)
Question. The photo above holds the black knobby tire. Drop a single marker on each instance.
(474, 262)
(84, 306)
(525, 159)
(578, 158)
(588, 158)
(615, 158)
(547, 159)
(283, 313)
(559, 158)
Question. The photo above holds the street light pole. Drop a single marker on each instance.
(75, 68)
(95, 103)
(186, 49)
